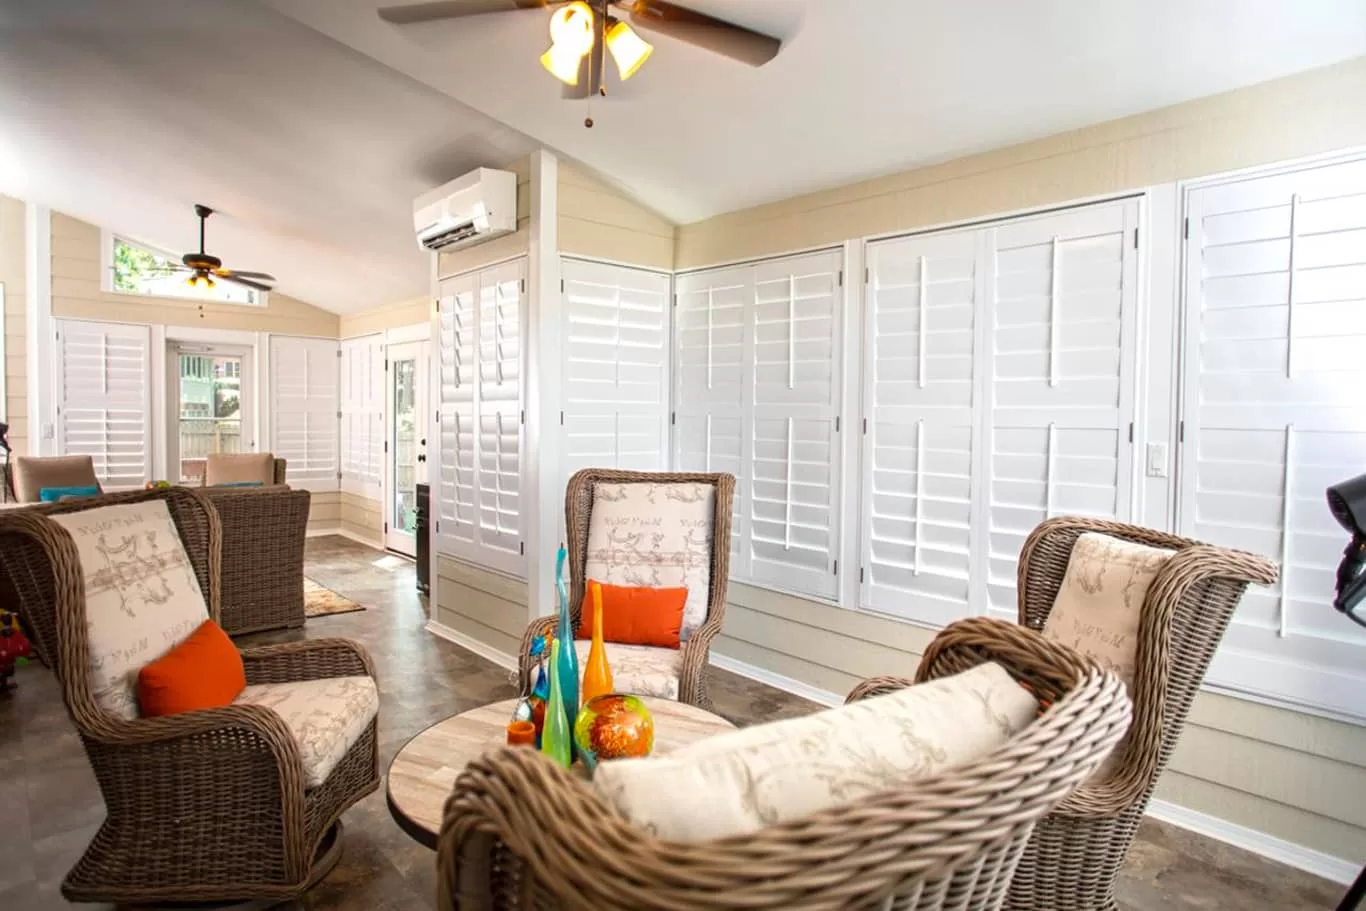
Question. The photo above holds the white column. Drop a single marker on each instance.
(541, 467)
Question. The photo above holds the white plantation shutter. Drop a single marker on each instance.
(1272, 409)
(104, 399)
(616, 368)
(482, 325)
(362, 415)
(303, 414)
(917, 453)
(1063, 292)
(757, 386)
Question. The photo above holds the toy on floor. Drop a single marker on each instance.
(15, 647)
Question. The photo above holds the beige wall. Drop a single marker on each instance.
(390, 316)
(362, 517)
(599, 222)
(77, 294)
(1319, 111)
(505, 247)
(13, 253)
(1294, 776)
(324, 511)
(481, 605)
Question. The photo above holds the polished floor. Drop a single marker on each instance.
(50, 806)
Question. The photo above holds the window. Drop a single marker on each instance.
(104, 398)
(135, 269)
(210, 413)
(757, 390)
(304, 407)
(362, 415)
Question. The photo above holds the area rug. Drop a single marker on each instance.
(323, 602)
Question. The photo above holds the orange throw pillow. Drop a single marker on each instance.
(635, 615)
(203, 672)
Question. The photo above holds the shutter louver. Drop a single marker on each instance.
(104, 399)
(304, 380)
(616, 368)
(456, 397)
(362, 385)
(1276, 322)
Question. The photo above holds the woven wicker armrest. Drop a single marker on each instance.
(1048, 668)
(312, 659)
(877, 686)
(541, 626)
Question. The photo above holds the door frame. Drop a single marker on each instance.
(406, 340)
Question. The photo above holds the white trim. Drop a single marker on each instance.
(1322, 865)
(602, 261)
(767, 258)
(777, 681)
(469, 643)
(502, 260)
(42, 350)
(325, 531)
(417, 332)
(541, 392)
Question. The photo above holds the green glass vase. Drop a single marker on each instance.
(556, 736)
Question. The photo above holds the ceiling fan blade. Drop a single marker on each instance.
(706, 32)
(453, 9)
(239, 280)
(238, 273)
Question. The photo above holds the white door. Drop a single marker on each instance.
(405, 444)
(210, 391)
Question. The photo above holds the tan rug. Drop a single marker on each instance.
(322, 602)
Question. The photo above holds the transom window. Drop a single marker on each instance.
(141, 270)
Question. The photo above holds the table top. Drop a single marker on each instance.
(424, 771)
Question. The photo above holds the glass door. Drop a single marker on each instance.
(405, 443)
(209, 414)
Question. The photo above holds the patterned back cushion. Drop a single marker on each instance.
(1100, 602)
(141, 594)
(656, 536)
(756, 777)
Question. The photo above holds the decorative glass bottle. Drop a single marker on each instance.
(597, 674)
(568, 660)
(540, 693)
(556, 738)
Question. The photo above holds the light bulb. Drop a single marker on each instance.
(563, 65)
(571, 38)
(628, 49)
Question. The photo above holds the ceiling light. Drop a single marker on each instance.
(571, 38)
(628, 49)
(198, 280)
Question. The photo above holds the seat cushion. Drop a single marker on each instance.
(326, 717)
(639, 669)
(142, 597)
(236, 468)
(656, 535)
(743, 781)
(1100, 602)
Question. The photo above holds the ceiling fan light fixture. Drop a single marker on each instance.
(199, 280)
(629, 50)
(571, 38)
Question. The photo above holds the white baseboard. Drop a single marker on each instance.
(1322, 865)
(777, 681)
(482, 649)
(1334, 869)
(323, 532)
(343, 533)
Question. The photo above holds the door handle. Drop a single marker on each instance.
(422, 458)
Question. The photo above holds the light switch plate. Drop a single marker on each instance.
(1157, 460)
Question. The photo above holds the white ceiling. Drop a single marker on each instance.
(313, 136)
(126, 114)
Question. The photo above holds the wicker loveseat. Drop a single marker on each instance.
(204, 806)
(520, 832)
(1077, 851)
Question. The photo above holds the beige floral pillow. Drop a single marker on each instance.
(752, 778)
(1100, 603)
(655, 536)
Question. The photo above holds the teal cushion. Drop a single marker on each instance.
(241, 484)
(54, 494)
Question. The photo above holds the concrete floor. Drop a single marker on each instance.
(50, 805)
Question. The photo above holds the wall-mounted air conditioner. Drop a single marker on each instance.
(477, 207)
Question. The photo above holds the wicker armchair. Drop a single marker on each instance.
(520, 832)
(204, 806)
(264, 532)
(1078, 849)
(578, 507)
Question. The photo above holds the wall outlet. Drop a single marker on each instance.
(1157, 460)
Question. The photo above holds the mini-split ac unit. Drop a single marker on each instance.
(472, 209)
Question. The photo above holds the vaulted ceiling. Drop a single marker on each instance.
(312, 123)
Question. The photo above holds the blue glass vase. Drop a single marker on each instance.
(568, 659)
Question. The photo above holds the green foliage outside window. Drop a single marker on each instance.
(134, 266)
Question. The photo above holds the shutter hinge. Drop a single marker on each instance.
(521, 548)
(438, 415)
(1131, 431)
(521, 418)
(867, 275)
(1135, 238)
(860, 575)
(561, 418)
(339, 415)
(675, 298)
(438, 305)
(673, 418)
(523, 283)
(561, 286)
(837, 423)
(386, 365)
(438, 526)
(1186, 230)
(865, 426)
(338, 352)
(839, 279)
(1181, 432)
(837, 567)
(386, 445)
(386, 528)
(339, 476)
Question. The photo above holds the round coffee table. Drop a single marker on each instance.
(424, 771)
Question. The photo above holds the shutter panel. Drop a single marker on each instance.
(793, 499)
(918, 455)
(1276, 323)
(104, 399)
(1063, 290)
(304, 379)
(362, 420)
(499, 462)
(616, 368)
(710, 350)
(456, 512)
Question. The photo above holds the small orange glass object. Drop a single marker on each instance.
(521, 734)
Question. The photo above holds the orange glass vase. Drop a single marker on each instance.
(597, 674)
